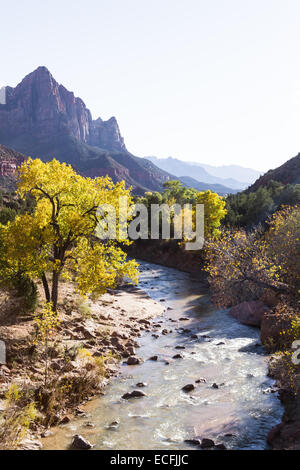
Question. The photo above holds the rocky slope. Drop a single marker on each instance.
(288, 173)
(41, 118)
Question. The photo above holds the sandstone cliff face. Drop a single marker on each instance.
(41, 118)
(41, 108)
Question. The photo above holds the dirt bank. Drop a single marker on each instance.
(286, 435)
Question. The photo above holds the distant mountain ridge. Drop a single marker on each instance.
(200, 186)
(41, 118)
(207, 173)
(238, 173)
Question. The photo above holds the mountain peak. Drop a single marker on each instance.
(41, 109)
(43, 119)
(42, 69)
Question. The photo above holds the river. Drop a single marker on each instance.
(239, 413)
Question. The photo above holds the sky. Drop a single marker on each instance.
(215, 81)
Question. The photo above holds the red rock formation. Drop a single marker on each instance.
(43, 119)
(39, 107)
(249, 313)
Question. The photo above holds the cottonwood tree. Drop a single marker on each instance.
(59, 237)
(242, 265)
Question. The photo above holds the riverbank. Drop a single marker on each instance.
(286, 434)
(92, 338)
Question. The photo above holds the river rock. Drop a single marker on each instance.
(207, 444)
(250, 313)
(113, 425)
(188, 388)
(153, 358)
(178, 356)
(131, 351)
(134, 394)
(133, 361)
(31, 444)
(65, 420)
(89, 424)
(141, 384)
(220, 447)
(192, 442)
(80, 443)
(47, 433)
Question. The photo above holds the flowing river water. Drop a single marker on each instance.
(239, 413)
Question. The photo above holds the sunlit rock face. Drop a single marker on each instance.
(41, 108)
(41, 118)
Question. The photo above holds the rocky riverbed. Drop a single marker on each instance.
(198, 380)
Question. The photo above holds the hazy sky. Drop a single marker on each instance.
(214, 81)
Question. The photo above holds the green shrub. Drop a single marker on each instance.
(27, 289)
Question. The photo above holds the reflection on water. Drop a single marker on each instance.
(238, 413)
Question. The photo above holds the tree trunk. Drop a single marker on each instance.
(46, 287)
(54, 294)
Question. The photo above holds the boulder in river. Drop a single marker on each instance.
(134, 394)
(192, 442)
(113, 425)
(220, 447)
(207, 444)
(133, 361)
(153, 358)
(178, 356)
(250, 313)
(188, 388)
(80, 443)
(141, 384)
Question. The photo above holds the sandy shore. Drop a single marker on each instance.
(106, 328)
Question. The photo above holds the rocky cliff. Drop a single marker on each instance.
(40, 108)
(41, 118)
